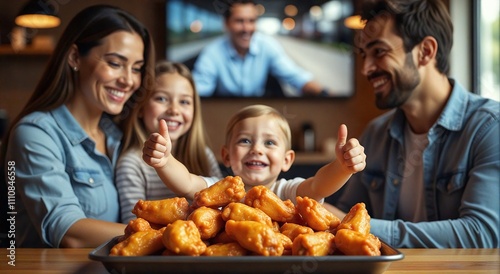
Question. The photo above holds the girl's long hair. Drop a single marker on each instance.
(190, 148)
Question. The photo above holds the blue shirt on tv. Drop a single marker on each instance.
(220, 71)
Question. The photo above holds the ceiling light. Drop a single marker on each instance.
(38, 14)
(354, 22)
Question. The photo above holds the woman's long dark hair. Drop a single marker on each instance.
(86, 30)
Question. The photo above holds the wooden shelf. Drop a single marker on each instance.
(8, 50)
(313, 158)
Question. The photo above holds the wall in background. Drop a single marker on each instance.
(19, 74)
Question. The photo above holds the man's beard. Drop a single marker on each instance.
(404, 82)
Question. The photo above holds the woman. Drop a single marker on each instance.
(65, 143)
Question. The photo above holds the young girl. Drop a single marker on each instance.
(176, 101)
(258, 148)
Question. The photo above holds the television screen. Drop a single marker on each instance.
(311, 32)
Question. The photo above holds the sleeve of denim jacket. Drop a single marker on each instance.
(478, 223)
(42, 182)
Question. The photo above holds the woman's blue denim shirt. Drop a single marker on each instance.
(60, 176)
(461, 176)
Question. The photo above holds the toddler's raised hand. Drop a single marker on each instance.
(158, 147)
(350, 153)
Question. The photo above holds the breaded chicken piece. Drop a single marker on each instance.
(229, 249)
(140, 243)
(315, 215)
(256, 237)
(162, 212)
(208, 220)
(182, 237)
(242, 212)
(357, 219)
(264, 199)
(320, 243)
(351, 242)
(286, 242)
(292, 230)
(133, 226)
(230, 189)
(222, 238)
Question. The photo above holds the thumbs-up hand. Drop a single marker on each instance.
(158, 147)
(350, 153)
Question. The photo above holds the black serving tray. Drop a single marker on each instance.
(245, 264)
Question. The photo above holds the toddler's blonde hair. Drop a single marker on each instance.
(257, 111)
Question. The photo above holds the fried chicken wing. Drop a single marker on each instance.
(264, 199)
(276, 226)
(292, 230)
(351, 242)
(315, 215)
(163, 211)
(182, 237)
(167, 252)
(320, 243)
(222, 238)
(230, 189)
(285, 241)
(242, 212)
(208, 220)
(297, 218)
(140, 243)
(229, 249)
(138, 224)
(256, 237)
(133, 226)
(357, 219)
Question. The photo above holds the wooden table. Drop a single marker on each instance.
(34, 261)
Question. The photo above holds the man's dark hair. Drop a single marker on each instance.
(224, 6)
(414, 20)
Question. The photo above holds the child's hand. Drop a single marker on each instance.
(157, 148)
(350, 154)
